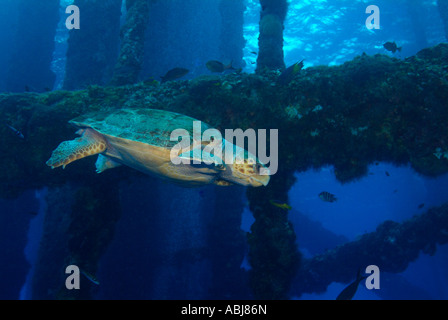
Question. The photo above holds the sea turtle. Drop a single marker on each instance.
(141, 139)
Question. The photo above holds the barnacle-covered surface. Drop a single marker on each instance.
(369, 109)
(392, 246)
(270, 41)
(374, 108)
(131, 56)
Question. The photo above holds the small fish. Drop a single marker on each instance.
(280, 205)
(174, 74)
(387, 174)
(219, 67)
(392, 47)
(327, 196)
(16, 132)
(421, 205)
(254, 53)
(90, 277)
(289, 73)
(350, 290)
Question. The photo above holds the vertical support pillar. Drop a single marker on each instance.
(130, 60)
(270, 41)
(93, 49)
(273, 252)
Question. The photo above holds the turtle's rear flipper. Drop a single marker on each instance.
(88, 144)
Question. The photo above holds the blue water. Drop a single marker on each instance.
(320, 32)
(361, 206)
(332, 32)
(364, 204)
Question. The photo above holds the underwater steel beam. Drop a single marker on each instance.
(96, 44)
(391, 247)
(373, 108)
(270, 41)
(273, 253)
(130, 60)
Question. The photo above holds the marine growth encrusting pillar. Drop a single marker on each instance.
(273, 253)
(79, 225)
(443, 9)
(270, 41)
(93, 49)
(130, 60)
(392, 247)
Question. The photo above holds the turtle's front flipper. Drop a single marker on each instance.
(223, 183)
(104, 162)
(88, 144)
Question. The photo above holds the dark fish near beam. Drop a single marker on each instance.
(392, 47)
(349, 292)
(218, 67)
(16, 132)
(174, 74)
(90, 277)
(289, 73)
(327, 196)
(280, 205)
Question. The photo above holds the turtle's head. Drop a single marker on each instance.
(239, 167)
(248, 173)
(246, 170)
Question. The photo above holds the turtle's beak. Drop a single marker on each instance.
(259, 180)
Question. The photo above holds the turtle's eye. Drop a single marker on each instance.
(257, 168)
(220, 167)
(201, 164)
